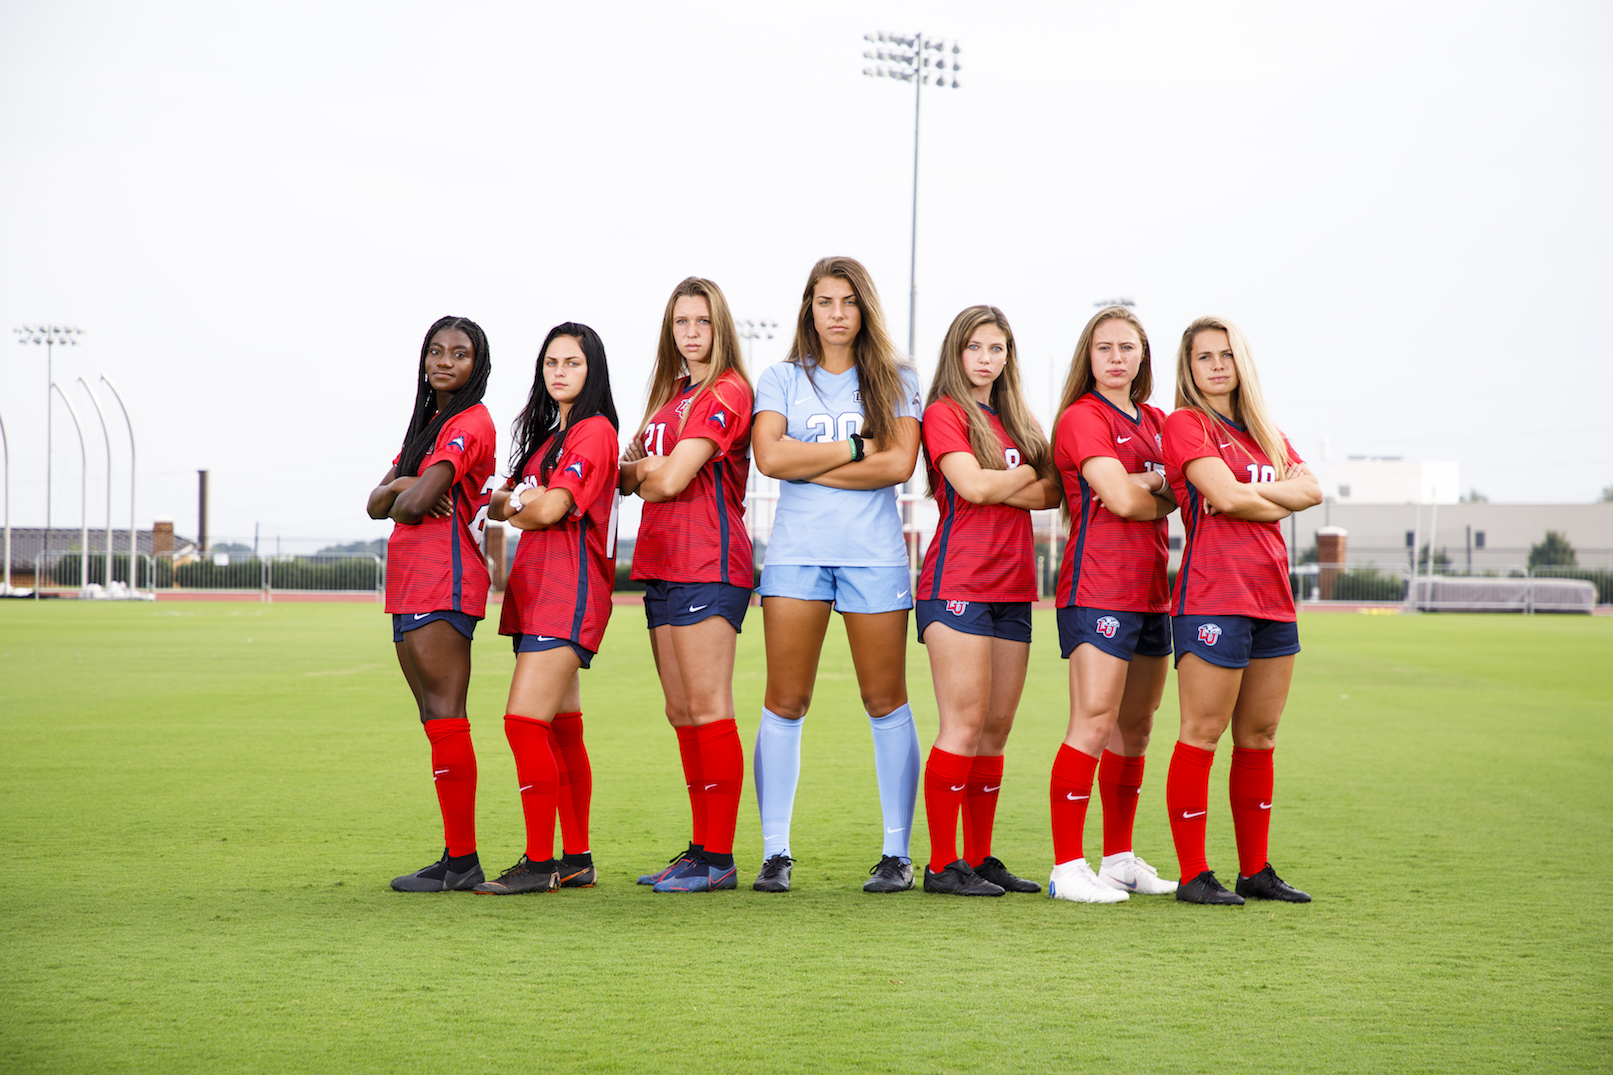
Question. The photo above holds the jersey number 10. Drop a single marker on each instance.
(1258, 473)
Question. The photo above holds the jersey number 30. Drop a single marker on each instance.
(836, 427)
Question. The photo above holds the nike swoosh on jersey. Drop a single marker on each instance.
(803, 399)
(1121, 440)
(694, 608)
(1228, 444)
(421, 615)
(543, 638)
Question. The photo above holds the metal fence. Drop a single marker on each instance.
(63, 571)
(1493, 587)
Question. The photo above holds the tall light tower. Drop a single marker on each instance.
(915, 59)
(51, 336)
(752, 330)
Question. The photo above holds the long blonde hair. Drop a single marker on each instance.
(1080, 379)
(879, 363)
(1007, 398)
(670, 367)
(1248, 403)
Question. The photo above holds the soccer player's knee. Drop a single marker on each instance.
(791, 707)
(884, 703)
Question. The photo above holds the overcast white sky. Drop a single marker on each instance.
(255, 212)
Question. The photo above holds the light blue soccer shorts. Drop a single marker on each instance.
(852, 589)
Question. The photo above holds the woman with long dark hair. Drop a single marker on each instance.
(989, 465)
(837, 423)
(689, 463)
(558, 597)
(1232, 615)
(1112, 601)
(436, 494)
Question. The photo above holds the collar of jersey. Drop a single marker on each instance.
(1134, 421)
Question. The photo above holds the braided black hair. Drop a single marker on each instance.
(541, 416)
(423, 427)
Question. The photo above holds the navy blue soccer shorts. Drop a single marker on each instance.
(1009, 620)
(404, 622)
(1233, 641)
(1119, 634)
(681, 604)
(539, 643)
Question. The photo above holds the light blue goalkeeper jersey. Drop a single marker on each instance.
(816, 525)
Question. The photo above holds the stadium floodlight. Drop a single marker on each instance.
(51, 336)
(1128, 303)
(133, 575)
(908, 59)
(106, 436)
(751, 330)
(84, 497)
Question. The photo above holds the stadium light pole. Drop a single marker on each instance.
(5, 449)
(905, 59)
(130, 426)
(752, 330)
(51, 336)
(106, 436)
(84, 495)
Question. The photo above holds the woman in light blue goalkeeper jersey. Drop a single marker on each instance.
(837, 422)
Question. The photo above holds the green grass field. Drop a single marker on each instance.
(201, 806)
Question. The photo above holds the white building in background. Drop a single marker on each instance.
(1390, 479)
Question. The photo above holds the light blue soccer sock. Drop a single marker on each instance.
(776, 765)
(896, 764)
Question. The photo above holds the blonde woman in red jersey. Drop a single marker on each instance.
(1112, 600)
(1233, 619)
(689, 463)
(989, 466)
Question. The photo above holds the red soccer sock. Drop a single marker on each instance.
(722, 769)
(945, 778)
(694, 781)
(453, 768)
(980, 806)
(1249, 787)
(1069, 793)
(1187, 798)
(576, 791)
(1120, 782)
(532, 743)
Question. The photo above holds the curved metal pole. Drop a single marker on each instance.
(5, 447)
(133, 552)
(84, 492)
(107, 437)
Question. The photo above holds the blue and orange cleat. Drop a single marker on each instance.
(701, 877)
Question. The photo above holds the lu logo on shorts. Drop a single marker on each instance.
(1209, 632)
(1107, 626)
(957, 608)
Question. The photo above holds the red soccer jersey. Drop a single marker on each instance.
(438, 564)
(562, 577)
(1110, 562)
(1230, 567)
(699, 535)
(980, 552)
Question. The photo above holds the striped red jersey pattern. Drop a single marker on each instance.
(980, 552)
(1109, 561)
(438, 564)
(699, 535)
(1230, 567)
(562, 577)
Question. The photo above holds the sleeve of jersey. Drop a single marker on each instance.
(586, 465)
(1086, 435)
(944, 432)
(1293, 456)
(770, 390)
(716, 420)
(911, 404)
(456, 445)
(1187, 437)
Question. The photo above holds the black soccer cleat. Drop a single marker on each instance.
(439, 878)
(993, 870)
(1206, 889)
(958, 879)
(573, 876)
(890, 874)
(1266, 885)
(524, 876)
(775, 875)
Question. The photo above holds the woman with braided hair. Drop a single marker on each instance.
(436, 582)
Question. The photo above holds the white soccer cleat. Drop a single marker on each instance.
(1075, 881)
(1128, 873)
